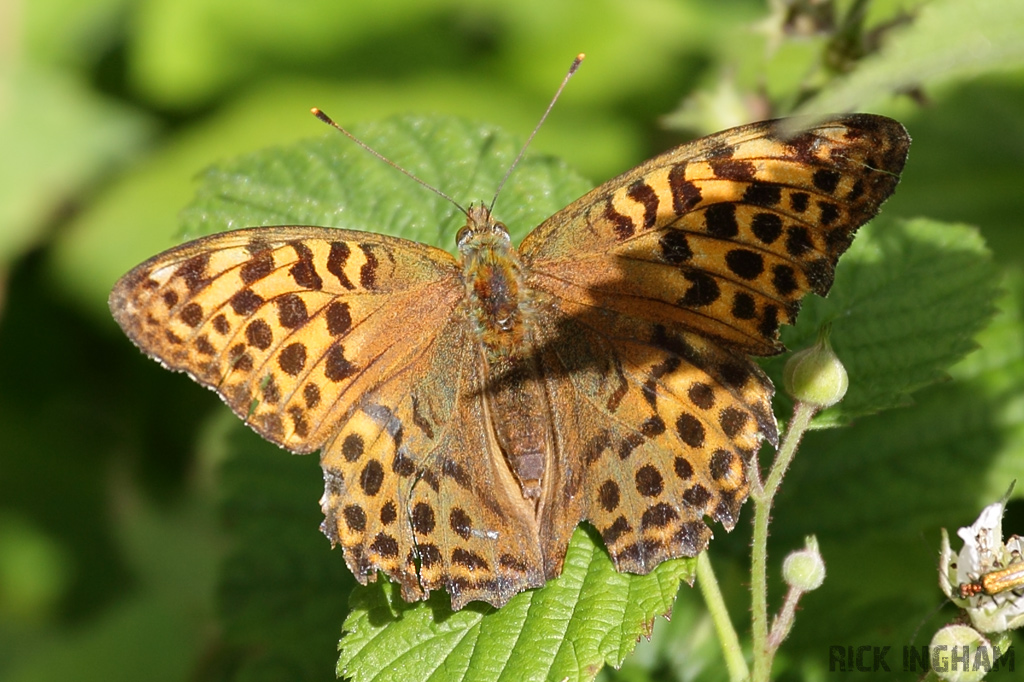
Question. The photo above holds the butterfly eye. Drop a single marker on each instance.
(501, 230)
(462, 236)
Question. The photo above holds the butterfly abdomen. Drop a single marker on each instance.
(500, 307)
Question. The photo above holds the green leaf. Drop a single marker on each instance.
(877, 493)
(282, 590)
(50, 156)
(909, 296)
(948, 39)
(588, 617)
(686, 647)
(329, 181)
(996, 372)
(966, 162)
(187, 52)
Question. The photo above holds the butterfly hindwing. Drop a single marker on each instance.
(403, 497)
(655, 426)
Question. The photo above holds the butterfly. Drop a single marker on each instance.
(472, 411)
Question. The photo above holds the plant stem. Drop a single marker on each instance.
(784, 620)
(798, 425)
(727, 638)
(764, 651)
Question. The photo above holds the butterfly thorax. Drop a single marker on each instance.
(492, 272)
(500, 308)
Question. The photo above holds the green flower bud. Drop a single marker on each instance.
(956, 656)
(805, 569)
(815, 375)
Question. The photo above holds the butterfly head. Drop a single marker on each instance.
(481, 231)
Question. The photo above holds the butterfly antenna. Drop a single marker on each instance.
(572, 69)
(329, 121)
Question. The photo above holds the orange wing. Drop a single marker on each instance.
(359, 344)
(726, 234)
(288, 324)
(660, 282)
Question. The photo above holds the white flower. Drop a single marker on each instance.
(987, 577)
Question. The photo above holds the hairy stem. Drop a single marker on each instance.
(763, 497)
(727, 638)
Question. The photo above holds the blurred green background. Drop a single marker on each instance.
(143, 535)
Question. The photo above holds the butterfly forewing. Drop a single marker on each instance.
(290, 325)
(724, 235)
